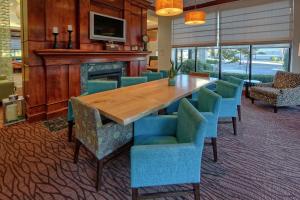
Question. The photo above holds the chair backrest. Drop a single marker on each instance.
(286, 80)
(95, 86)
(164, 73)
(200, 74)
(87, 124)
(226, 89)
(152, 76)
(208, 101)
(239, 83)
(127, 81)
(191, 125)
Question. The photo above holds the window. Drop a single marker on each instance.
(185, 35)
(208, 60)
(235, 61)
(268, 59)
(253, 39)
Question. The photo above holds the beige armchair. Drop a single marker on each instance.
(283, 91)
(6, 87)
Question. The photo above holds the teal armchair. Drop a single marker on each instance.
(101, 140)
(229, 102)
(92, 87)
(168, 150)
(152, 76)
(208, 104)
(6, 87)
(128, 81)
(240, 84)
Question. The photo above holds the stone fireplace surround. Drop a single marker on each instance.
(106, 70)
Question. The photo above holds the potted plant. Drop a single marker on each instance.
(172, 74)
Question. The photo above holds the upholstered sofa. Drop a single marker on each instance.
(6, 87)
(283, 91)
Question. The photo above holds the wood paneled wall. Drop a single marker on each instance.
(40, 16)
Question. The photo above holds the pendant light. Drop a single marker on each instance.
(168, 7)
(195, 17)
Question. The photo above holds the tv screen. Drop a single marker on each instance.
(107, 28)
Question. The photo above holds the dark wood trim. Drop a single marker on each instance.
(99, 173)
(76, 151)
(70, 130)
(234, 125)
(196, 187)
(215, 151)
(239, 112)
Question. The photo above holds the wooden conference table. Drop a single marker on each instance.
(128, 104)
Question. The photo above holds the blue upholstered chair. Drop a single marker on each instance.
(127, 81)
(95, 86)
(240, 84)
(230, 96)
(92, 87)
(168, 149)
(208, 104)
(101, 140)
(152, 76)
(165, 73)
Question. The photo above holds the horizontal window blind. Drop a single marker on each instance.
(268, 22)
(202, 35)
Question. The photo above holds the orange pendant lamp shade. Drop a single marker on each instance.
(169, 7)
(195, 18)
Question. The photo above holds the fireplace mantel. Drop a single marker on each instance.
(75, 56)
(61, 69)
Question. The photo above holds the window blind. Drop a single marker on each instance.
(200, 35)
(269, 22)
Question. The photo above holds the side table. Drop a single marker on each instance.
(248, 84)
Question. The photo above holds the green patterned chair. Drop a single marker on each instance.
(101, 140)
(92, 87)
(6, 87)
(283, 91)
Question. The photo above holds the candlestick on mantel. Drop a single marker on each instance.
(55, 30)
(55, 33)
(70, 30)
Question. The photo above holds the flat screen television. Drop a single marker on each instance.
(107, 28)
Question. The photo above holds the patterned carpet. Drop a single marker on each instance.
(262, 162)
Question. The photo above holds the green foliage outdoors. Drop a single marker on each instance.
(189, 66)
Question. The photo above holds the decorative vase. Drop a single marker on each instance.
(172, 81)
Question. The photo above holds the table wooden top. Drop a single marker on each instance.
(128, 104)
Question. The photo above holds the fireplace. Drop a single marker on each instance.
(106, 74)
(102, 71)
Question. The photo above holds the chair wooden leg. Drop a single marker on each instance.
(135, 194)
(196, 187)
(76, 152)
(252, 100)
(234, 125)
(275, 109)
(214, 145)
(99, 174)
(70, 130)
(239, 112)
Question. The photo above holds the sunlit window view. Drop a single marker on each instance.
(265, 61)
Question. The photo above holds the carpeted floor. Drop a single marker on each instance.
(262, 162)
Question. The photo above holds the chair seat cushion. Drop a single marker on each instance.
(148, 140)
(266, 91)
